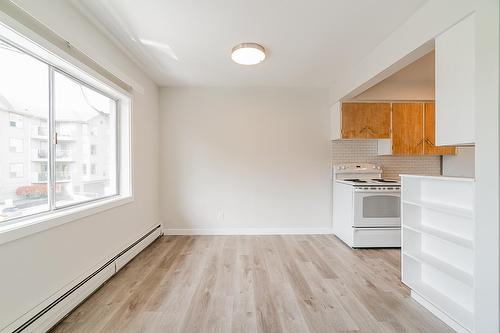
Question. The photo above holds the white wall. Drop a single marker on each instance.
(487, 198)
(461, 164)
(245, 160)
(409, 42)
(35, 267)
(413, 82)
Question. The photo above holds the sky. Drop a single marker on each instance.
(24, 88)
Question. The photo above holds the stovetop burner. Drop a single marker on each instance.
(384, 181)
(355, 180)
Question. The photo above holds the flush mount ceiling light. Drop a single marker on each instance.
(248, 54)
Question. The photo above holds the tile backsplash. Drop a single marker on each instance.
(365, 151)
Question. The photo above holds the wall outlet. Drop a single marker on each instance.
(220, 215)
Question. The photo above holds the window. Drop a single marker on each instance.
(16, 145)
(16, 170)
(85, 129)
(42, 181)
(75, 105)
(24, 101)
(15, 120)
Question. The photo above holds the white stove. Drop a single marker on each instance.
(366, 207)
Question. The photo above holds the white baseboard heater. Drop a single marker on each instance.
(50, 315)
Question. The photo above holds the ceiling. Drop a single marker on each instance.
(415, 81)
(188, 42)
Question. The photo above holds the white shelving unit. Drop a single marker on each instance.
(437, 252)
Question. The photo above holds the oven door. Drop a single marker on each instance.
(374, 208)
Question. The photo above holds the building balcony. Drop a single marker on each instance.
(39, 177)
(40, 133)
(42, 177)
(65, 135)
(62, 155)
(40, 154)
(63, 176)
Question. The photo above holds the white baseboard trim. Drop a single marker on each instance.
(46, 315)
(249, 231)
(438, 313)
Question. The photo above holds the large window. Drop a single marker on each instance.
(52, 126)
(77, 106)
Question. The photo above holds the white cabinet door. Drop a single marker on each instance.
(336, 121)
(455, 66)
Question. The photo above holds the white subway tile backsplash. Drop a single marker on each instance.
(358, 151)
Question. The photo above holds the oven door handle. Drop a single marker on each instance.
(388, 192)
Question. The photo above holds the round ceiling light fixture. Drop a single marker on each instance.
(248, 54)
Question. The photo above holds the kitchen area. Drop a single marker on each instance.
(403, 173)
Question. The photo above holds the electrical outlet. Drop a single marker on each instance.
(220, 215)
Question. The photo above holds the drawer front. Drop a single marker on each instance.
(377, 237)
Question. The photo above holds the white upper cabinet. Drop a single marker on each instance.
(455, 66)
(336, 121)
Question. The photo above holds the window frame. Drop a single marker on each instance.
(52, 147)
(15, 121)
(17, 36)
(15, 146)
(11, 164)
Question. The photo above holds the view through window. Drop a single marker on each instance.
(83, 121)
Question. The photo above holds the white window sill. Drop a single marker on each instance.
(25, 227)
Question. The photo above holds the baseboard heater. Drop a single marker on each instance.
(49, 316)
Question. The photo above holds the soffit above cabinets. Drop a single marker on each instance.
(188, 42)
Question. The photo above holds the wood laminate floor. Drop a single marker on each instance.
(254, 284)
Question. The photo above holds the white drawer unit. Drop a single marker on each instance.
(376, 237)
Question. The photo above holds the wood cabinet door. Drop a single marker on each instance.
(366, 120)
(407, 128)
(430, 133)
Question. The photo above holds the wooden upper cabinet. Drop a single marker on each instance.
(430, 133)
(366, 120)
(407, 128)
(412, 130)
